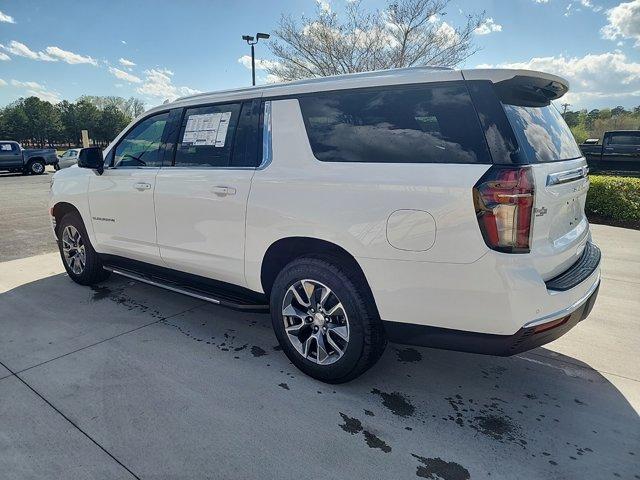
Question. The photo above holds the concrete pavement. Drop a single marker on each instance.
(126, 380)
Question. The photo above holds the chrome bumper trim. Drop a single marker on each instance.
(567, 310)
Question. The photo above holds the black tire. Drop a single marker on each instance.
(36, 167)
(366, 341)
(92, 272)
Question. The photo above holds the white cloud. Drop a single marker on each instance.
(126, 63)
(69, 57)
(623, 22)
(541, 1)
(2, 83)
(122, 75)
(596, 80)
(123, 42)
(590, 5)
(37, 90)
(158, 83)
(4, 57)
(245, 61)
(21, 50)
(50, 54)
(6, 18)
(488, 26)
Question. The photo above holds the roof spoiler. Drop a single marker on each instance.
(522, 87)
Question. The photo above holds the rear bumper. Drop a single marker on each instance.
(532, 335)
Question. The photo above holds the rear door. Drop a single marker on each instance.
(560, 227)
(621, 151)
(201, 198)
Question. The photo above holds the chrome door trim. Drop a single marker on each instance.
(567, 176)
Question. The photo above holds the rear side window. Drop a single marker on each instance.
(206, 136)
(8, 147)
(542, 133)
(410, 124)
(624, 138)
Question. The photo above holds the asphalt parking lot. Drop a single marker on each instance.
(128, 381)
(24, 203)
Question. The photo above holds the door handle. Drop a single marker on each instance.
(141, 186)
(223, 191)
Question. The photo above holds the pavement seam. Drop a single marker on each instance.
(105, 340)
(71, 422)
(589, 368)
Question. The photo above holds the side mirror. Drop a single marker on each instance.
(91, 158)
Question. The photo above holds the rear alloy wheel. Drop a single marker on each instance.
(36, 167)
(315, 321)
(325, 319)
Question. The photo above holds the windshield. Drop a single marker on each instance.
(542, 133)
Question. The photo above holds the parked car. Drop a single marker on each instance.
(619, 151)
(14, 158)
(69, 158)
(423, 206)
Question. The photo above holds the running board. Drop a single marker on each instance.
(217, 298)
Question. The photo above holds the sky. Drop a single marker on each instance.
(158, 50)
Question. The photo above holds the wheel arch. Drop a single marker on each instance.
(283, 251)
(60, 209)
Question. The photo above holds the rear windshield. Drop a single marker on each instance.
(542, 133)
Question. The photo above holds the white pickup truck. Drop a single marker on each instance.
(427, 206)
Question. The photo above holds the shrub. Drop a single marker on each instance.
(614, 198)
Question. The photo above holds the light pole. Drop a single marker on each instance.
(252, 41)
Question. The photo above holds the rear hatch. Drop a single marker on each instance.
(560, 229)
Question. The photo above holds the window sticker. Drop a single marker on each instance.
(206, 129)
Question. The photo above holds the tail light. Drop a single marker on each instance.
(503, 198)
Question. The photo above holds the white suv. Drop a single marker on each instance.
(426, 206)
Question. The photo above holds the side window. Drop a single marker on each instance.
(411, 124)
(141, 146)
(206, 137)
(624, 138)
(5, 147)
(247, 146)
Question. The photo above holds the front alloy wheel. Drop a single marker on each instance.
(315, 321)
(73, 249)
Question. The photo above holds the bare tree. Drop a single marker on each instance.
(407, 33)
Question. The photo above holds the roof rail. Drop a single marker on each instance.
(317, 80)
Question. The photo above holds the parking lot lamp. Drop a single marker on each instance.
(252, 41)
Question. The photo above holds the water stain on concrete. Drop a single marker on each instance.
(396, 402)
(408, 355)
(257, 351)
(100, 292)
(438, 469)
(351, 425)
(375, 442)
(354, 426)
(284, 385)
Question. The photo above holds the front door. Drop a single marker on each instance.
(10, 155)
(121, 199)
(201, 199)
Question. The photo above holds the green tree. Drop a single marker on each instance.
(111, 122)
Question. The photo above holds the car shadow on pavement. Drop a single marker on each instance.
(149, 374)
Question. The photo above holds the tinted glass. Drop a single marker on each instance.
(626, 138)
(246, 149)
(542, 133)
(5, 147)
(421, 124)
(141, 146)
(206, 136)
